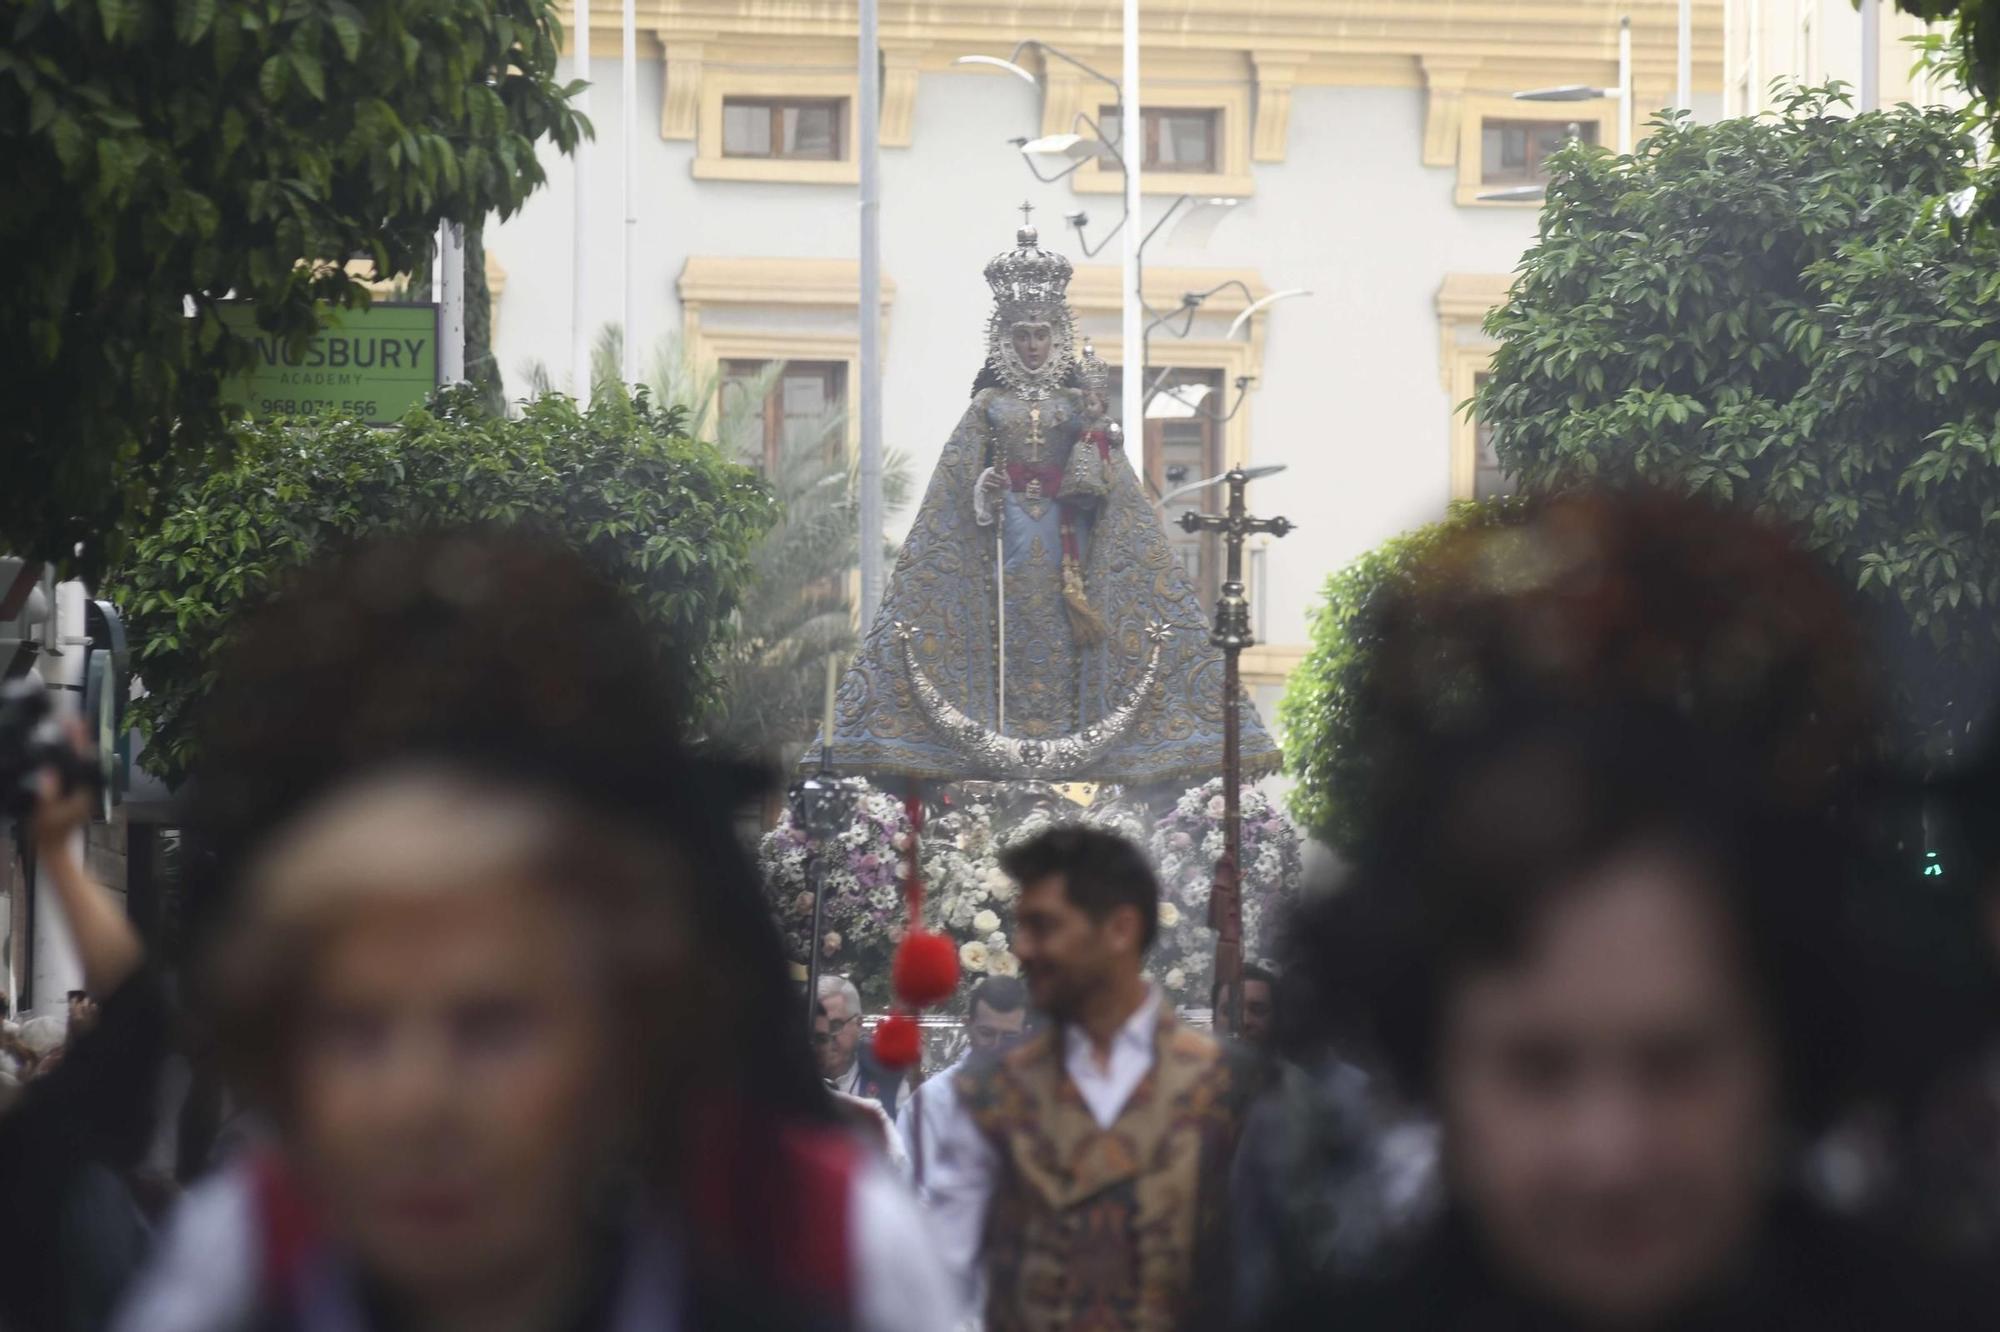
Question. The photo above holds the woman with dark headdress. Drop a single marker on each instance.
(494, 965)
(1596, 929)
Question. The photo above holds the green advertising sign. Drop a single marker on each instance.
(371, 365)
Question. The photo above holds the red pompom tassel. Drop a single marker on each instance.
(896, 1041)
(925, 971)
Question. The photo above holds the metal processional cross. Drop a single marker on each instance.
(1232, 634)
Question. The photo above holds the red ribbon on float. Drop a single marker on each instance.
(925, 969)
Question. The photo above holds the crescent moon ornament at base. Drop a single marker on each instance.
(1063, 758)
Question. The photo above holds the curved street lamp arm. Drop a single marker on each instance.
(1237, 283)
(1110, 148)
(1165, 218)
(1188, 306)
(1066, 58)
(1036, 171)
(1092, 251)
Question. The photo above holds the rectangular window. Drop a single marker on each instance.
(1183, 443)
(1489, 481)
(770, 409)
(784, 129)
(1516, 152)
(1178, 139)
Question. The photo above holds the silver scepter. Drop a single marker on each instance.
(1000, 608)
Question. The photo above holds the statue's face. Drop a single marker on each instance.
(1033, 343)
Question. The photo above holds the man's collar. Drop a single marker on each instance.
(1138, 1031)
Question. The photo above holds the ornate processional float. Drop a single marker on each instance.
(1037, 629)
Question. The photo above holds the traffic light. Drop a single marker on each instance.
(24, 607)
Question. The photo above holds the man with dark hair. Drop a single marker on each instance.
(996, 1018)
(1260, 990)
(1084, 1173)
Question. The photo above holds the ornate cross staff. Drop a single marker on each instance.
(1231, 634)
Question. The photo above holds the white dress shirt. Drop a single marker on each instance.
(961, 1167)
(848, 1083)
(933, 1104)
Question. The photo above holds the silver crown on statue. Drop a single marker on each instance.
(1028, 274)
(1096, 375)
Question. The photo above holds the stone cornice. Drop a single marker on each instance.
(730, 280)
(1322, 34)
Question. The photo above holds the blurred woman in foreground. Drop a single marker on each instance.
(1597, 929)
(493, 967)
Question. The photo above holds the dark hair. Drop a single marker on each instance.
(1100, 871)
(1617, 671)
(511, 657)
(1251, 972)
(1000, 994)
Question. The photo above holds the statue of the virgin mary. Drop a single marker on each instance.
(1037, 624)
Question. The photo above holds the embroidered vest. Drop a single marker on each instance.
(1108, 1230)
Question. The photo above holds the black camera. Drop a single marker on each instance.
(32, 739)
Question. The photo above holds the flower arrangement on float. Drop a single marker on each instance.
(864, 874)
(969, 901)
(1186, 844)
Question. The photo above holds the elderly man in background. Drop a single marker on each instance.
(844, 1061)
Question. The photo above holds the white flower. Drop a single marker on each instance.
(1215, 807)
(972, 956)
(986, 922)
(901, 841)
(996, 942)
(1176, 979)
(1002, 963)
(1170, 915)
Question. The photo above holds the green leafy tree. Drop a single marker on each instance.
(1785, 313)
(161, 156)
(666, 516)
(798, 607)
(1321, 712)
(1976, 35)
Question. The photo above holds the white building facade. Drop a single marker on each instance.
(1356, 136)
(1812, 42)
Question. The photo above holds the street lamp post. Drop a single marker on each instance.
(821, 804)
(1581, 92)
(1232, 634)
(1871, 55)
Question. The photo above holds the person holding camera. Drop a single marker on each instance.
(68, 1223)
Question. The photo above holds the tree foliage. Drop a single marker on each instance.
(159, 156)
(798, 608)
(1977, 37)
(1321, 713)
(665, 516)
(1785, 313)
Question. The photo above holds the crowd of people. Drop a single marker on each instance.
(1594, 1033)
